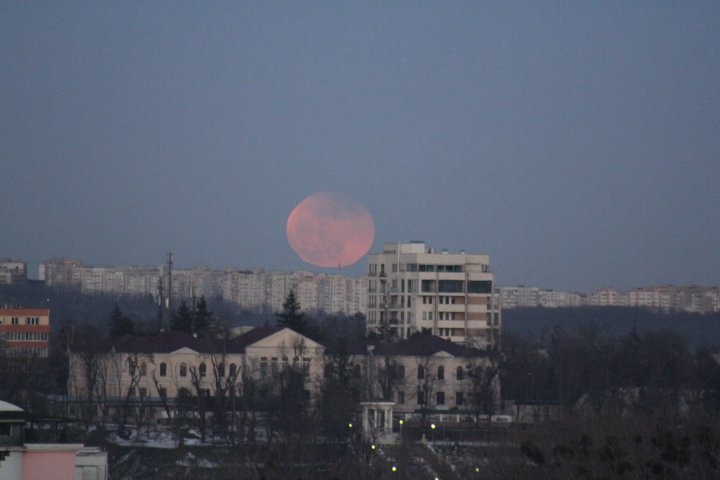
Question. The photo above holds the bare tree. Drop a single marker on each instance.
(390, 375)
(426, 382)
(483, 384)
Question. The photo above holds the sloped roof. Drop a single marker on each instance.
(9, 407)
(418, 346)
(426, 345)
(240, 342)
(167, 342)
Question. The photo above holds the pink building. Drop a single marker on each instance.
(40, 461)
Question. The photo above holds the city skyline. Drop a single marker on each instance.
(576, 145)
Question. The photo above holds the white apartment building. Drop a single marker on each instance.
(12, 271)
(254, 290)
(520, 296)
(411, 288)
(557, 299)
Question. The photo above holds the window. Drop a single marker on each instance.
(163, 369)
(440, 398)
(202, 370)
(183, 369)
(356, 371)
(479, 286)
(459, 398)
(400, 397)
(5, 429)
(143, 369)
(274, 365)
(421, 371)
(162, 392)
(450, 286)
(460, 373)
(233, 369)
(420, 397)
(401, 371)
(441, 373)
(143, 392)
(221, 370)
(263, 367)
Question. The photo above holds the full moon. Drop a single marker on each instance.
(330, 229)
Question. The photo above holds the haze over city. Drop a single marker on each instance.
(576, 144)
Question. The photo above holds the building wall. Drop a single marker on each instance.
(410, 288)
(263, 360)
(12, 272)
(52, 461)
(255, 290)
(457, 393)
(25, 331)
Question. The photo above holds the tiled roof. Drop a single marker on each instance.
(167, 342)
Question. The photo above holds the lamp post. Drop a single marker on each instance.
(432, 431)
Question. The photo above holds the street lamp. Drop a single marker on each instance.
(432, 431)
(394, 468)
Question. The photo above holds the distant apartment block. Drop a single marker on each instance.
(12, 272)
(24, 332)
(251, 289)
(411, 288)
(666, 298)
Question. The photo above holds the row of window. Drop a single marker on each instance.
(419, 267)
(26, 352)
(182, 370)
(28, 321)
(275, 367)
(439, 398)
(27, 336)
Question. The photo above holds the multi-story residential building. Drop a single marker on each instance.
(520, 296)
(12, 271)
(24, 332)
(61, 272)
(605, 297)
(256, 290)
(422, 374)
(411, 288)
(557, 299)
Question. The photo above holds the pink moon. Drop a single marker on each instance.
(330, 229)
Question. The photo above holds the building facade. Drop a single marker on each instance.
(32, 461)
(12, 272)
(25, 332)
(257, 290)
(422, 375)
(411, 288)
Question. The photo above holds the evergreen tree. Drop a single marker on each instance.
(197, 320)
(203, 317)
(291, 317)
(182, 320)
(120, 324)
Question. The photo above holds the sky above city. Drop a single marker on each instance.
(576, 143)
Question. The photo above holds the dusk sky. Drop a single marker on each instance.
(576, 143)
